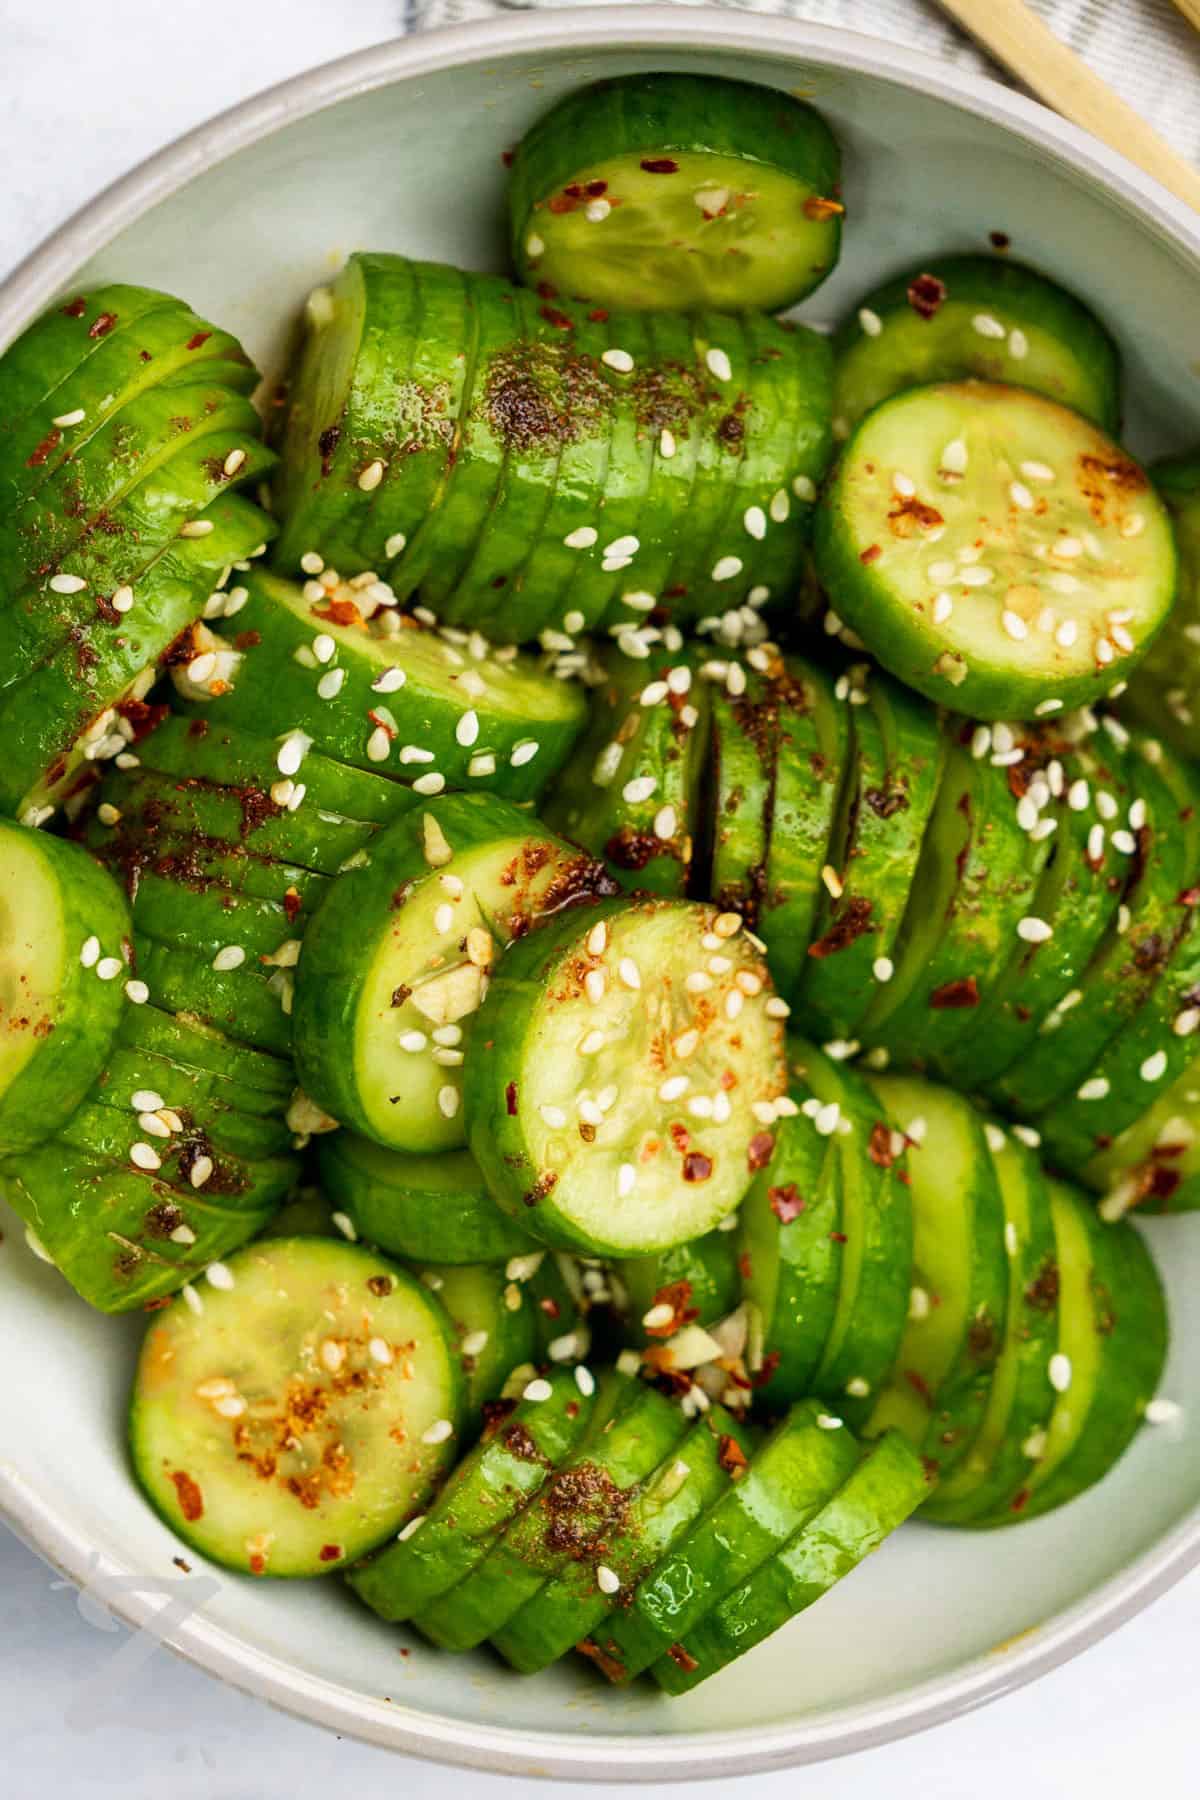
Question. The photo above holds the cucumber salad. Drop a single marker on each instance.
(598, 896)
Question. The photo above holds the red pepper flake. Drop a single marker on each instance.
(1020, 1501)
(871, 553)
(292, 905)
(838, 1237)
(786, 1202)
(563, 203)
(383, 724)
(191, 1500)
(660, 165)
(47, 447)
(820, 207)
(1189, 897)
(103, 325)
(608, 1665)
(156, 1305)
(201, 337)
(678, 1296)
(879, 1149)
(559, 320)
(258, 1563)
(682, 1658)
(599, 315)
(549, 1305)
(919, 1385)
(329, 1552)
(955, 994)
(926, 294)
(999, 240)
(506, 157)
(759, 1151)
(594, 189)
(75, 309)
(696, 1166)
(731, 1456)
(745, 1266)
(510, 1099)
(184, 1567)
(341, 612)
(770, 1363)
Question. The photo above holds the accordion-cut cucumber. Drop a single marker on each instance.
(493, 1337)
(799, 1467)
(65, 713)
(996, 551)
(398, 957)
(630, 792)
(478, 1501)
(64, 947)
(982, 317)
(887, 1486)
(423, 1208)
(409, 704)
(741, 794)
(620, 1073)
(699, 1280)
(123, 1236)
(187, 1040)
(337, 1357)
(671, 190)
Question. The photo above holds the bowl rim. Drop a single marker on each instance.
(33, 1515)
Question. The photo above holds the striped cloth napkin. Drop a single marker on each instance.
(1142, 48)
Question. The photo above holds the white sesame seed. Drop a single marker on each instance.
(595, 985)
(585, 1381)
(1018, 344)
(987, 326)
(231, 957)
(870, 322)
(200, 1171)
(943, 606)
(755, 521)
(109, 967)
(883, 968)
(331, 684)
(904, 485)
(137, 992)
(828, 1422)
(718, 364)
(1125, 842)
(954, 457)
(666, 443)
(523, 753)
(582, 538)
(1154, 1067)
(827, 1118)
(1059, 1371)
(629, 973)
(1012, 622)
(804, 487)
(607, 1580)
(620, 360)
(1163, 1412)
(438, 1432)
(371, 476)
(195, 528)
(1028, 1136)
(726, 567)
(143, 1156)
(626, 1180)
(639, 789)
(832, 881)
(1034, 931)
(67, 584)
(623, 547)
(448, 1101)
(1020, 496)
(1186, 1022)
(977, 576)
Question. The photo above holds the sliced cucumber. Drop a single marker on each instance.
(943, 1370)
(571, 1518)
(997, 1463)
(630, 791)
(337, 1357)
(176, 1136)
(698, 1281)
(409, 702)
(188, 1041)
(478, 1501)
(810, 770)
(885, 1489)
(1164, 693)
(493, 1337)
(402, 948)
(692, 1477)
(205, 918)
(677, 190)
(122, 1236)
(982, 317)
(994, 550)
(423, 1208)
(243, 1002)
(745, 749)
(1154, 1164)
(886, 803)
(790, 1242)
(585, 1025)
(796, 1471)
(65, 711)
(64, 948)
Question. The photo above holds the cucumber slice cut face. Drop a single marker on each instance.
(623, 1075)
(994, 550)
(677, 190)
(398, 958)
(335, 1356)
(64, 947)
(982, 317)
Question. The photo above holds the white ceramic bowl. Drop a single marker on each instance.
(400, 148)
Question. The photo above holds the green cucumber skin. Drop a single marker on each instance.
(1078, 898)
(1124, 968)
(108, 1228)
(1163, 694)
(190, 812)
(425, 1209)
(811, 766)
(103, 1131)
(185, 1039)
(707, 1267)
(899, 758)
(203, 918)
(652, 739)
(185, 1089)
(789, 1479)
(77, 1033)
(473, 1296)
(327, 441)
(472, 1510)
(238, 1001)
(1090, 381)
(642, 1428)
(207, 747)
(792, 1260)
(58, 367)
(877, 1220)
(272, 693)
(650, 116)
(137, 842)
(886, 1488)
(741, 802)
(571, 1608)
(991, 1473)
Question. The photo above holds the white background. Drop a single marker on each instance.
(88, 87)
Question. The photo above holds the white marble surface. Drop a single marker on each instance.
(87, 90)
